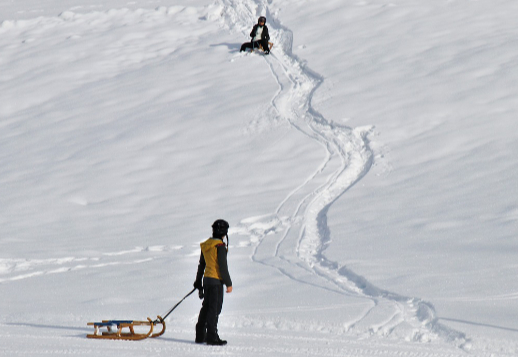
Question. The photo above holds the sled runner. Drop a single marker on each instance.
(115, 329)
(270, 45)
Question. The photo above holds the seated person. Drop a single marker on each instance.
(259, 36)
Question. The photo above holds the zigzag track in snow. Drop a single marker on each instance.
(297, 231)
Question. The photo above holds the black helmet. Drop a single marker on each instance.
(262, 19)
(220, 228)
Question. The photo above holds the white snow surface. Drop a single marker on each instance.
(367, 169)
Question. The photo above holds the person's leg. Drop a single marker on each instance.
(219, 306)
(266, 48)
(220, 299)
(212, 298)
(201, 326)
(254, 44)
(245, 45)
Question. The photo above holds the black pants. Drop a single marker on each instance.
(255, 44)
(211, 308)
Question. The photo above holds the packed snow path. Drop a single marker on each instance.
(293, 239)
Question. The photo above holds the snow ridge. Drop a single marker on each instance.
(299, 224)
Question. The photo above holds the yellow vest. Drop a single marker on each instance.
(209, 248)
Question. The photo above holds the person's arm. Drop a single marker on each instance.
(223, 267)
(199, 274)
(266, 34)
(252, 34)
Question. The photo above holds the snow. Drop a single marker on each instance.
(366, 168)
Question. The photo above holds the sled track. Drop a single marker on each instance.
(293, 239)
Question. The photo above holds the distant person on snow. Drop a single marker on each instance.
(259, 35)
(214, 271)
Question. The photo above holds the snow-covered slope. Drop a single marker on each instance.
(365, 167)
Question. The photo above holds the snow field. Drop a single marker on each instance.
(126, 131)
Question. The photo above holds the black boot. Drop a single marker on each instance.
(217, 342)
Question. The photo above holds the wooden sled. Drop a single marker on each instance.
(270, 45)
(119, 334)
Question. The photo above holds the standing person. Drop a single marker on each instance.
(213, 269)
(259, 35)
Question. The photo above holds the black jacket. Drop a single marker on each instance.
(264, 36)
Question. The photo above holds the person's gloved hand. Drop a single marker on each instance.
(198, 285)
